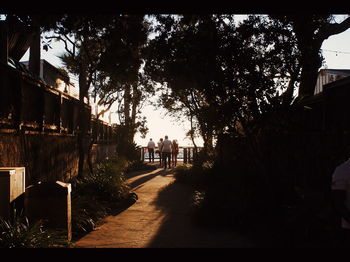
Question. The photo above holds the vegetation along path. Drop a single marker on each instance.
(161, 217)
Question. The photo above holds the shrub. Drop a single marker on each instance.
(197, 176)
(17, 232)
(95, 195)
(107, 183)
(138, 165)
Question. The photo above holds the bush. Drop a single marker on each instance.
(196, 176)
(138, 165)
(106, 183)
(95, 195)
(17, 232)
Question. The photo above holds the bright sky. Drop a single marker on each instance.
(336, 51)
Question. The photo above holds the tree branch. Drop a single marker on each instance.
(333, 29)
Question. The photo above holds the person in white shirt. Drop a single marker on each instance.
(160, 145)
(151, 146)
(166, 152)
(341, 199)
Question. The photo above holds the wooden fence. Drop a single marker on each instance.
(32, 106)
(101, 131)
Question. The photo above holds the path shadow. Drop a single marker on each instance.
(179, 228)
(143, 179)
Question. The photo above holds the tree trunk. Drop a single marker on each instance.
(192, 133)
(127, 117)
(310, 66)
(83, 88)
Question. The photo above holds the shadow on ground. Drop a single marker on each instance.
(179, 229)
(144, 178)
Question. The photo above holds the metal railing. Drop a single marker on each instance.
(186, 154)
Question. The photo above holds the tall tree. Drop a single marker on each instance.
(122, 63)
(310, 32)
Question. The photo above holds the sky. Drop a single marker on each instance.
(336, 51)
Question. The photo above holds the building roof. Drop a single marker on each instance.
(344, 72)
(52, 68)
(340, 82)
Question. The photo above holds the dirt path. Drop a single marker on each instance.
(159, 218)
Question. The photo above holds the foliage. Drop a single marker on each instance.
(224, 75)
(269, 180)
(138, 165)
(197, 176)
(17, 232)
(310, 31)
(86, 212)
(96, 194)
(125, 148)
(120, 78)
(106, 183)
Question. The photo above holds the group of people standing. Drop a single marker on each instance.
(167, 150)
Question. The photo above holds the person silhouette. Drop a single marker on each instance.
(166, 152)
(160, 145)
(151, 146)
(174, 152)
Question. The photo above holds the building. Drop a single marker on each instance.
(56, 78)
(326, 76)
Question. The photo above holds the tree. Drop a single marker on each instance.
(213, 71)
(83, 37)
(107, 56)
(122, 78)
(310, 31)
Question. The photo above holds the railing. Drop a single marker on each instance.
(101, 131)
(186, 154)
(31, 105)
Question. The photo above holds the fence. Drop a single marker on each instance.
(186, 154)
(101, 131)
(33, 106)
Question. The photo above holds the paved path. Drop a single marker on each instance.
(161, 217)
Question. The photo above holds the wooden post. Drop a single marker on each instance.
(142, 154)
(185, 155)
(18, 102)
(34, 54)
(59, 123)
(42, 105)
